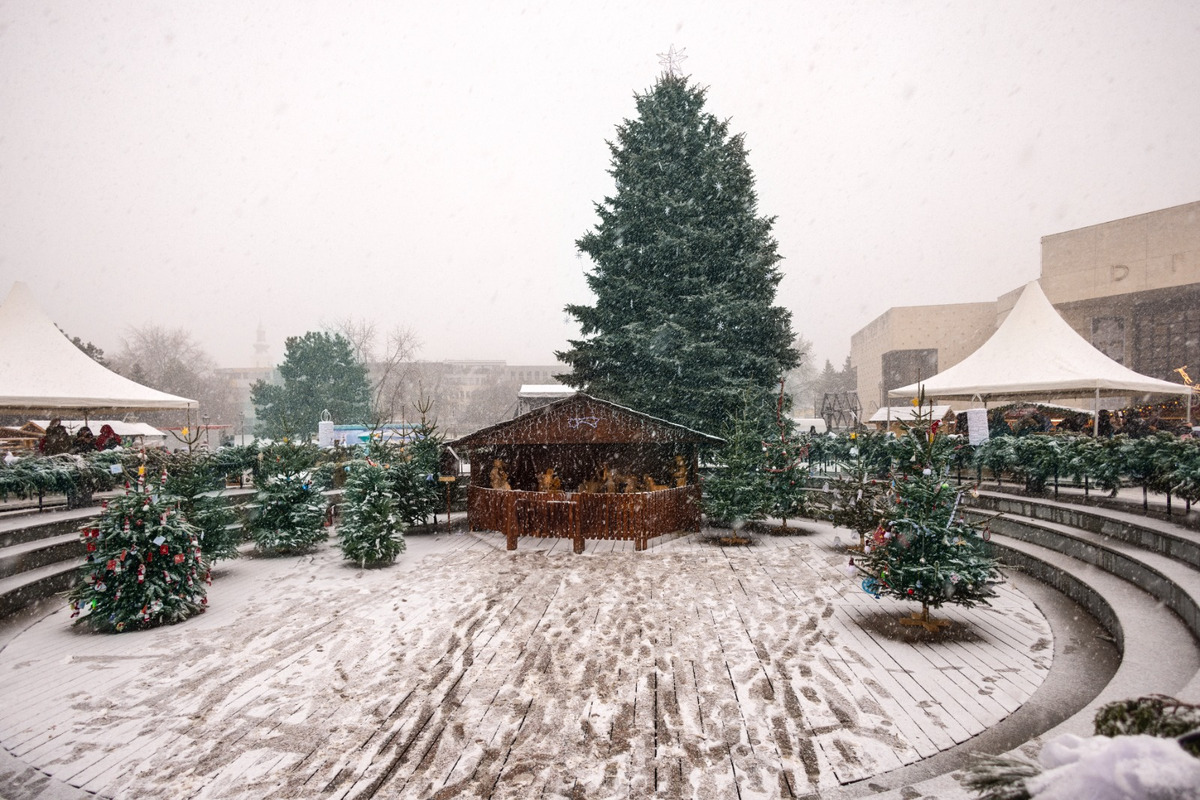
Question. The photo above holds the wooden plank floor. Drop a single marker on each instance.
(464, 670)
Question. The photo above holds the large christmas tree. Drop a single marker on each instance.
(143, 565)
(685, 272)
(925, 550)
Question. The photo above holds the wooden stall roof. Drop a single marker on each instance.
(583, 419)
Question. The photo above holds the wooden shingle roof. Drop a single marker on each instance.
(583, 419)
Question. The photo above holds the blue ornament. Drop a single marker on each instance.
(871, 587)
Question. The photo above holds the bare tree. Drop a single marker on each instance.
(362, 335)
(800, 382)
(431, 390)
(390, 369)
(170, 360)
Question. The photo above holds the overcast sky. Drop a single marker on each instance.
(210, 165)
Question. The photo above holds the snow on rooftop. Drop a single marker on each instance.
(545, 390)
(907, 413)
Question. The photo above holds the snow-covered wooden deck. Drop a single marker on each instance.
(689, 670)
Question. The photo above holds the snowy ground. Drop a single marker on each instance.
(691, 670)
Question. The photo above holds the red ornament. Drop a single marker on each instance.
(179, 558)
(164, 549)
(910, 591)
(91, 547)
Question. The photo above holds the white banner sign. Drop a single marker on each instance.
(977, 425)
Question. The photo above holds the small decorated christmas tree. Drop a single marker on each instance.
(143, 566)
(925, 550)
(784, 470)
(195, 478)
(855, 498)
(291, 514)
(370, 531)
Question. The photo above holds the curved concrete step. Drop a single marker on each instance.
(19, 590)
(1148, 533)
(1128, 500)
(1174, 582)
(26, 556)
(1159, 653)
(18, 530)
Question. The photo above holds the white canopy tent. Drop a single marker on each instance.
(890, 414)
(41, 370)
(1036, 354)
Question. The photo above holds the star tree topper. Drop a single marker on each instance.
(672, 60)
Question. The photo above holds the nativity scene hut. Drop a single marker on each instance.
(584, 468)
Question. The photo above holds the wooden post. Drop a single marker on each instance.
(923, 620)
(449, 481)
(510, 521)
(576, 528)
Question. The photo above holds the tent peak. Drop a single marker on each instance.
(41, 369)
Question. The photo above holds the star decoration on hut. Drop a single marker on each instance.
(672, 60)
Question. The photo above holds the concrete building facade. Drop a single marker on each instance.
(907, 343)
(1131, 287)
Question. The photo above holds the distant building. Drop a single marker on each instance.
(1131, 287)
(907, 343)
(261, 358)
(240, 379)
(463, 379)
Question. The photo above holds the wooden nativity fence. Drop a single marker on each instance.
(636, 517)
